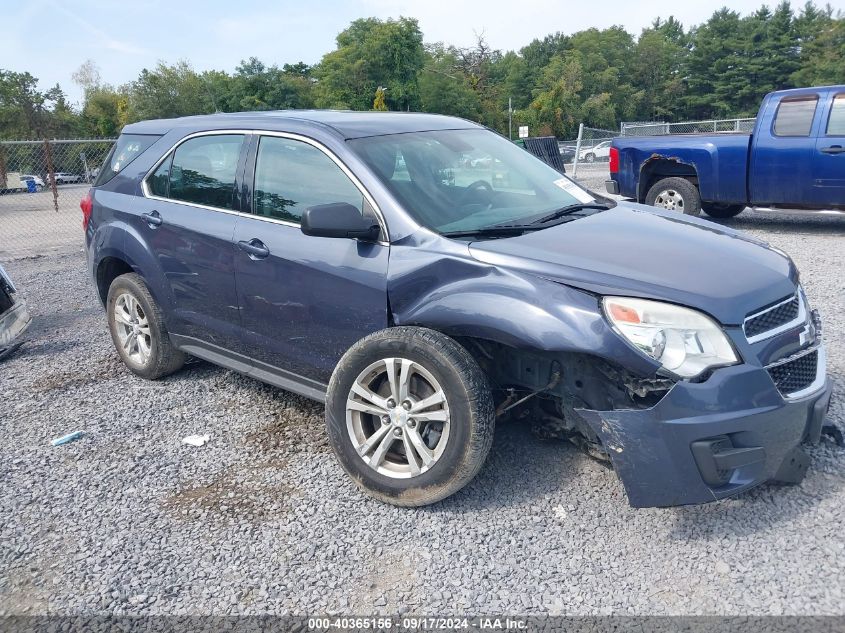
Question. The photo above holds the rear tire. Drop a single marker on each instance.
(675, 194)
(590, 158)
(138, 330)
(723, 211)
(378, 425)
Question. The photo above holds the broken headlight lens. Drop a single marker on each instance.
(684, 341)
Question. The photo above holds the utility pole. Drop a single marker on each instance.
(510, 119)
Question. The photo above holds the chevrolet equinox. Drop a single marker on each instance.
(422, 275)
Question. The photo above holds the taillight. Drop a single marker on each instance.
(87, 205)
(614, 160)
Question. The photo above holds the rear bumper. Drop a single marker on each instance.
(13, 323)
(710, 440)
(612, 187)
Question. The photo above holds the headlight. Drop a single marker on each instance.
(685, 342)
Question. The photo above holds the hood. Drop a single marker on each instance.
(633, 250)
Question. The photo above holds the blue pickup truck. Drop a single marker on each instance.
(794, 159)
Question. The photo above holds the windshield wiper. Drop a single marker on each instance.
(572, 208)
(500, 230)
(507, 230)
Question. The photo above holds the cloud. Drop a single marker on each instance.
(103, 38)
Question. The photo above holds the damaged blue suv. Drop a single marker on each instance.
(423, 276)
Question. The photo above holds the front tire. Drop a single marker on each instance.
(138, 330)
(723, 211)
(675, 194)
(409, 415)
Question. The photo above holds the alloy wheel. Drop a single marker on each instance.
(133, 329)
(397, 417)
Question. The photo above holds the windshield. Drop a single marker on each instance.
(464, 180)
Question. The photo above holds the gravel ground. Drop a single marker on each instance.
(263, 520)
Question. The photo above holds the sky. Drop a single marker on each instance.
(52, 38)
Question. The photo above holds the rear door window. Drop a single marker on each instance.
(159, 182)
(204, 168)
(127, 148)
(795, 116)
(836, 122)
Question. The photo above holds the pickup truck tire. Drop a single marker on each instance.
(138, 330)
(378, 421)
(675, 194)
(723, 211)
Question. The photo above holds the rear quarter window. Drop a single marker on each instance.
(127, 148)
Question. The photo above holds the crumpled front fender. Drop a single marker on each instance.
(460, 296)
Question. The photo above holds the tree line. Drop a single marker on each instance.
(718, 69)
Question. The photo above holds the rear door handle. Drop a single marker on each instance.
(833, 149)
(254, 248)
(153, 219)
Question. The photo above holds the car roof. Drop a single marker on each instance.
(347, 124)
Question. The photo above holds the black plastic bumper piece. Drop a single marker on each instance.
(717, 458)
(612, 187)
(817, 416)
(794, 467)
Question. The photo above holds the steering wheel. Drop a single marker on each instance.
(475, 188)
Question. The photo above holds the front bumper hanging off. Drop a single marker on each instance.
(709, 440)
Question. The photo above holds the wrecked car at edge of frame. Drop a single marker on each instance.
(14, 316)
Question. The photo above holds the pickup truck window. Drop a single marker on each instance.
(836, 122)
(795, 116)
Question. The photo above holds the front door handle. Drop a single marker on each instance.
(254, 248)
(833, 149)
(152, 218)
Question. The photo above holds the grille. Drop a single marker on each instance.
(796, 374)
(772, 318)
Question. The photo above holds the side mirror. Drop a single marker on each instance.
(339, 219)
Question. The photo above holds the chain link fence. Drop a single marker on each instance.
(651, 128)
(590, 155)
(41, 184)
